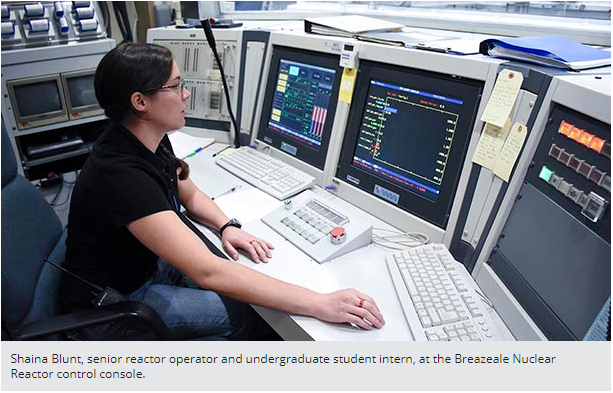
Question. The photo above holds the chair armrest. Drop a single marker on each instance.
(137, 315)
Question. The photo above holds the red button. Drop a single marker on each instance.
(337, 232)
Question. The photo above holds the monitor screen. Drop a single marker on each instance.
(38, 98)
(407, 137)
(300, 102)
(80, 91)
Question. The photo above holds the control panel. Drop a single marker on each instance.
(50, 23)
(319, 228)
(201, 73)
(550, 243)
(572, 166)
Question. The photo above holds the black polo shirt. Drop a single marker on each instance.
(121, 181)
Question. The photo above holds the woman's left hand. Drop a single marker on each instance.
(258, 249)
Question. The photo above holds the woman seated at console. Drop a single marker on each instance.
(125, 230)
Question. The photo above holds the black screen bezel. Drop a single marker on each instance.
(469, 90)
(317, 158)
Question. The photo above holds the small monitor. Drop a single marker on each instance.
(300, 102)
(80, 94)
(37, 101)
(407, 136)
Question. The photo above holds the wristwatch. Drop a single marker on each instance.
(232, 223)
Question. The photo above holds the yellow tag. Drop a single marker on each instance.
(503, 97)
(347, 83)
(490, 144)
(510, 151)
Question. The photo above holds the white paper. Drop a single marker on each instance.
(184, 144)
(247, 204)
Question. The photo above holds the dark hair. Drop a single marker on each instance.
(129, 68)
(126, 69)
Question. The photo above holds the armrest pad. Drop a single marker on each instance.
(138, 315)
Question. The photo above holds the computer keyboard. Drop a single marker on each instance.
(265, 172)
(319, 228)
(438, 296)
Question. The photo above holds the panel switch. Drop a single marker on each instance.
(595, 207)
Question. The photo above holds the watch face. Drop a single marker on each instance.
(234, 222)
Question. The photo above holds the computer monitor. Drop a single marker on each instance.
(407, 136)
(300, 103)
(37, 101)
(80, 94)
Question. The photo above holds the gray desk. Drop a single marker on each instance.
(364, 269)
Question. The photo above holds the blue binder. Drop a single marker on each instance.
(553, 51)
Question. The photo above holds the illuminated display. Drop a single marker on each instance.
(565, 128)
(545, 173)
(574, 134)
(414, 160)
(407, 137)
(585, 138)
(301, 102)
(596, 144)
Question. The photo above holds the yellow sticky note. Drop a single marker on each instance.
(282, 83)
(280, 88)
(503, 97)
(347, 83)
(510, 151)
(490, 144)
(283, 76)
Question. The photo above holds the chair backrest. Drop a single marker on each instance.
(31, 231)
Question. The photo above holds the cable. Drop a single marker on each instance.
(119, 22)
(121, 14)
(208, 32)
(70, 184)
(57, 194)
(106, 16)
(398, 240)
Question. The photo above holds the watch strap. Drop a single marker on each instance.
(232, 223)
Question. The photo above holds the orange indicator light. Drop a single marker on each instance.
(596, 144)
(565, 128)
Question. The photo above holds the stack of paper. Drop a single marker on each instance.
(348, 25)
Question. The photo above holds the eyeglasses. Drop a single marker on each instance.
(179, 86)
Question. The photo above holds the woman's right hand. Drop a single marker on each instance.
(349, 306)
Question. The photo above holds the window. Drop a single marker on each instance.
(584, 21)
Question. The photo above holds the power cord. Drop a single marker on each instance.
(398, 240)
(68, 183)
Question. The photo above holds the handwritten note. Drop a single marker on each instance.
(503, 97)
(510, 151)
(490, 144)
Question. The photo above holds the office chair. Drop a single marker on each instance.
(31, 232)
